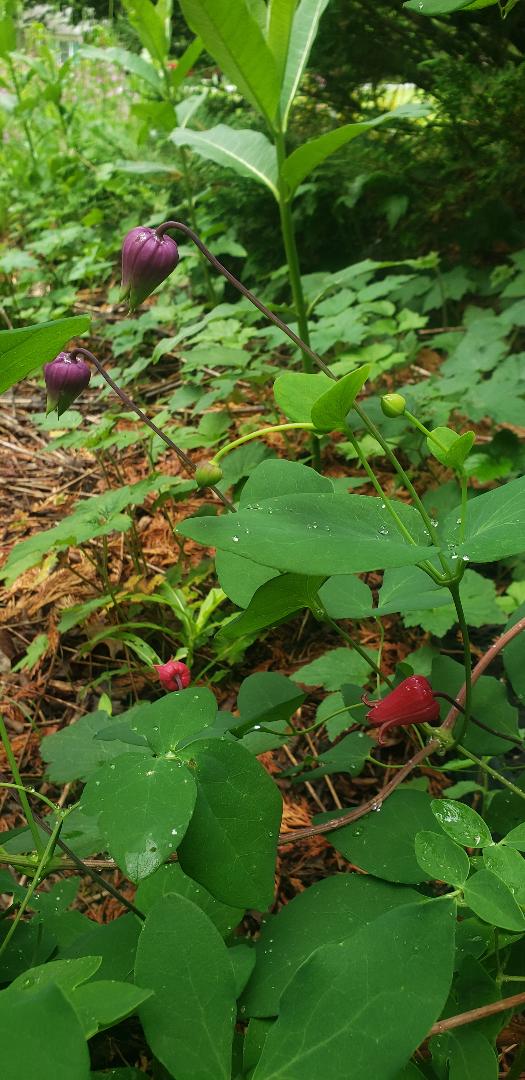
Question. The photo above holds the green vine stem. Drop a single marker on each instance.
(490, 771)
(362, 653)
(46, 855)
(257, 434)
(13, 765)
(130, 404)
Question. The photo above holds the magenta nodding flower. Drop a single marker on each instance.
(147, 260)
(174, 675)
(412, 702)
(66, 377)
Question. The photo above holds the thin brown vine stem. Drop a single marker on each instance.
(130, 404)
(360, 811)
(476, 1014)
(482, 664)
(182, 227)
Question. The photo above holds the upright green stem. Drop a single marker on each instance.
(290, 247)
(188, 195)
(25, 125)
(362, 653)
(39, 847)
(491, 772)
(463, 522)
(464, 719)
(40, 870)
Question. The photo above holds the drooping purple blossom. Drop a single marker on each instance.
(147, 260)
(412, 702)
(65, 377)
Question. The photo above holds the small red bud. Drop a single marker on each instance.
(174, 675)
(412, 702)
(147, 260)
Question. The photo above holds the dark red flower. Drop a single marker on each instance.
(65, 377)
(412, 702)
(147, 260)
(174, 675)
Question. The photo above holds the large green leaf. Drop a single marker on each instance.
(304, 30)
(41, 1031)
(306, 158)
(495, 524)
(169, 879)
(145, 805)
(74, 753)
(28, 348)
(340, 1014)
(280, 22)
(231, 843)
(277, 476)
(440, 857)
(240, 578)
(250, 153)
(296, 392)
(330, 411)
(461, 823)
(105, 1002)
(274, 602)
(382, 843)
(491, 899)
(190, 1020)
(149, 25)
(124, 59)
(469, 1054)
(176, 718)
(232, 35)
(326, 912)
(321, 534)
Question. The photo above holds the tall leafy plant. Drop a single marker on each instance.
(264, 49)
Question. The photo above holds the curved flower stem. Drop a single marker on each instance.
(362, 653)
(257, 434)
(130, 404)
(182, 227)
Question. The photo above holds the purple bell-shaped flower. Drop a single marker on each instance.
(65, 377)
(147, 260)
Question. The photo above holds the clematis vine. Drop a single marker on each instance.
(412, 702)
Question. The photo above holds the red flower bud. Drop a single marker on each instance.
(65, 377)
(412, 702)
(147, 260)
(174, 675)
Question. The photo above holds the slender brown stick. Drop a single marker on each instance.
(476, 1014)
(130, 404)
(482, 664)
(161, 229)
(360, 811)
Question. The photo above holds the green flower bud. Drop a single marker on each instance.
(393, 404)
(207, 474)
